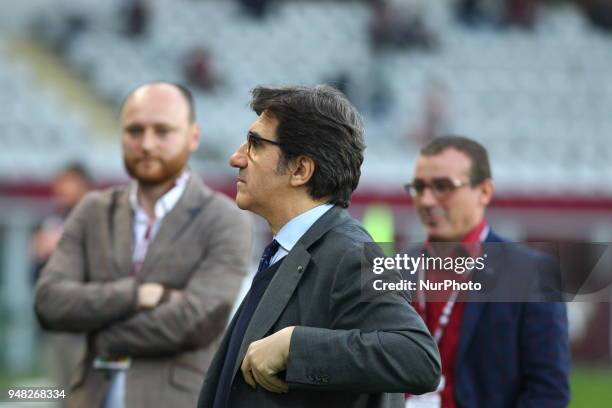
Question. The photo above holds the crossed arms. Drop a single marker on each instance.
(127, 315)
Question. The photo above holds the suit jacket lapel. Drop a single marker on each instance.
(121, 232)
(177, 220)
(275, 298)
(473, 310)
(285, 281)
(469, 320)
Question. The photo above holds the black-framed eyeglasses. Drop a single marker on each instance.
(254, 141)
(441, 187)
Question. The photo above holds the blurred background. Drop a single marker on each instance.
(530, 79)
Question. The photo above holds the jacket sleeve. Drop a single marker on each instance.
(545, 357)
(374, 344)
(63, 299)
(199, 315)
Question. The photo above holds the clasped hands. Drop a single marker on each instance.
(266, 358)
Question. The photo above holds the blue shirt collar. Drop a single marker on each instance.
(292, 231)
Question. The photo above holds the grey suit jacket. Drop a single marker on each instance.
(201, 250)
(347, 350)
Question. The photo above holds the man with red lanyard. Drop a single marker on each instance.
(493, 354)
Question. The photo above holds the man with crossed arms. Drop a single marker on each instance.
(148, 271)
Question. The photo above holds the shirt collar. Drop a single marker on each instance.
(471, 242)
(477, 234)
(165, 203)
(292, 231)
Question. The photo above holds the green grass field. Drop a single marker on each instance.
(591, 387)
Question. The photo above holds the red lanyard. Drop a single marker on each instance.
(444, 318)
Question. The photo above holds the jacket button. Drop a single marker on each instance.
(300, 268)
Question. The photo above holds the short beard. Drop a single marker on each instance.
(170, 170)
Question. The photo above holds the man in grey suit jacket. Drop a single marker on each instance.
(148, 271)
(306, 334)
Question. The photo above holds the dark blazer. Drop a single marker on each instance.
(512, 354)
(346, 351)
(201, 250)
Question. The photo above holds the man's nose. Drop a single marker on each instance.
(148, 140)
(239, 158)
(427, 197)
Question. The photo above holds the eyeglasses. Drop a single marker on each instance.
(254, 141)
(440, 187)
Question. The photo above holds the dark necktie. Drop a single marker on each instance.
(267, 255)
(260, 283)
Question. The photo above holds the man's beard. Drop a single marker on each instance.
(166, 170)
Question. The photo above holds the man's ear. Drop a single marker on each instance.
(194, 137)
(302, 169)
(486, 192)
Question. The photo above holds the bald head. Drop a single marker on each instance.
(164, 90)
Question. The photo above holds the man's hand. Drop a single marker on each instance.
(45, 241)
(265, 358)
(149, 295)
